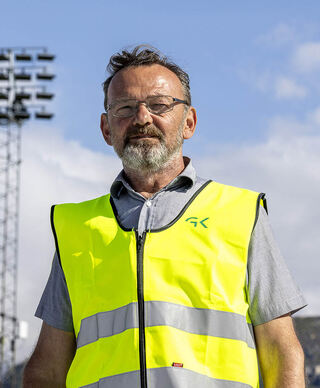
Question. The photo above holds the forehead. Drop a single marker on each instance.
(142, 81)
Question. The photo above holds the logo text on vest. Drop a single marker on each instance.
(193, 221)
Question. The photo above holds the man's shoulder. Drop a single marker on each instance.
(227, 195)
(90, 206)
(231, 188)
(86, 203)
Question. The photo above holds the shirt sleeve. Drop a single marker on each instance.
(55, 306)
(271, 289)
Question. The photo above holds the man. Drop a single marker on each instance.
(172, 281)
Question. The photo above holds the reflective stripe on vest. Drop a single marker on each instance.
(192, 320)
(175, 297)
(166, 378)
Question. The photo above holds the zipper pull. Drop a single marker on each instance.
(139, 238)
(139, 241)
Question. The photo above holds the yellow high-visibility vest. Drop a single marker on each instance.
(168, 309)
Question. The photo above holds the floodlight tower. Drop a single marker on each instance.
(22, 86)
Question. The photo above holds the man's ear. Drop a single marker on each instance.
(105, 129)
(190, 123)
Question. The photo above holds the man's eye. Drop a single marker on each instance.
(158, 107)
(125, 107)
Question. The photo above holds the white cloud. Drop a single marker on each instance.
(281, 34)
(280, 87)
(314, 117)
(279, 77)
(286, 88)
(263, 81)
(286, 166)
(306, 57)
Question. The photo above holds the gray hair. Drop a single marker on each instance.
(144, 55)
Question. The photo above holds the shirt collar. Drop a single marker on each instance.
(186, 177)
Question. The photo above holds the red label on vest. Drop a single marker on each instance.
(177, 364)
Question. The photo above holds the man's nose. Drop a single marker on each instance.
(142, 115)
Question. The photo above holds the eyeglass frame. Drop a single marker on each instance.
(138, 102)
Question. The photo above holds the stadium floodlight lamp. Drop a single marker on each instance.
(4, 76)
(45, 57)
(23, 57)
(4, 57)
(4, 95)
(43, 115)
(22, 95)
(4, 115)
(22, 76)
(22, 115)
(45, 76)
(44, 95)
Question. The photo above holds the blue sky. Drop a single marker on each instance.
(255, 83)
(217, 43)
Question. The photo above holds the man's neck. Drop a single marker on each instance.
(148, 183)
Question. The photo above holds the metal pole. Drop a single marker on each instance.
(9, 215)
(12, 116)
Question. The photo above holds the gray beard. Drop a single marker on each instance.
(150, 157)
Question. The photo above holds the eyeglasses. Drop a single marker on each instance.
(155, 105)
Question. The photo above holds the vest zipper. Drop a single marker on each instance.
(142, 346)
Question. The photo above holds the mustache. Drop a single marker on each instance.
(149, 130)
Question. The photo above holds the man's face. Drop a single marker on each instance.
(146, 141)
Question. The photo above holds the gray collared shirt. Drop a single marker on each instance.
(144, 214)
(272, 291)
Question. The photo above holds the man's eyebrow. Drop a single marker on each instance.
(124, 99)
(136, 99)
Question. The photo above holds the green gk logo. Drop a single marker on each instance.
(195, 222)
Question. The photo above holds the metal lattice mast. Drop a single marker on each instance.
(15, 102)
(10, 150)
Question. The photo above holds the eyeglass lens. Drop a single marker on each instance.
(155, 105)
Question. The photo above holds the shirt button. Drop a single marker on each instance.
(148, 203)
